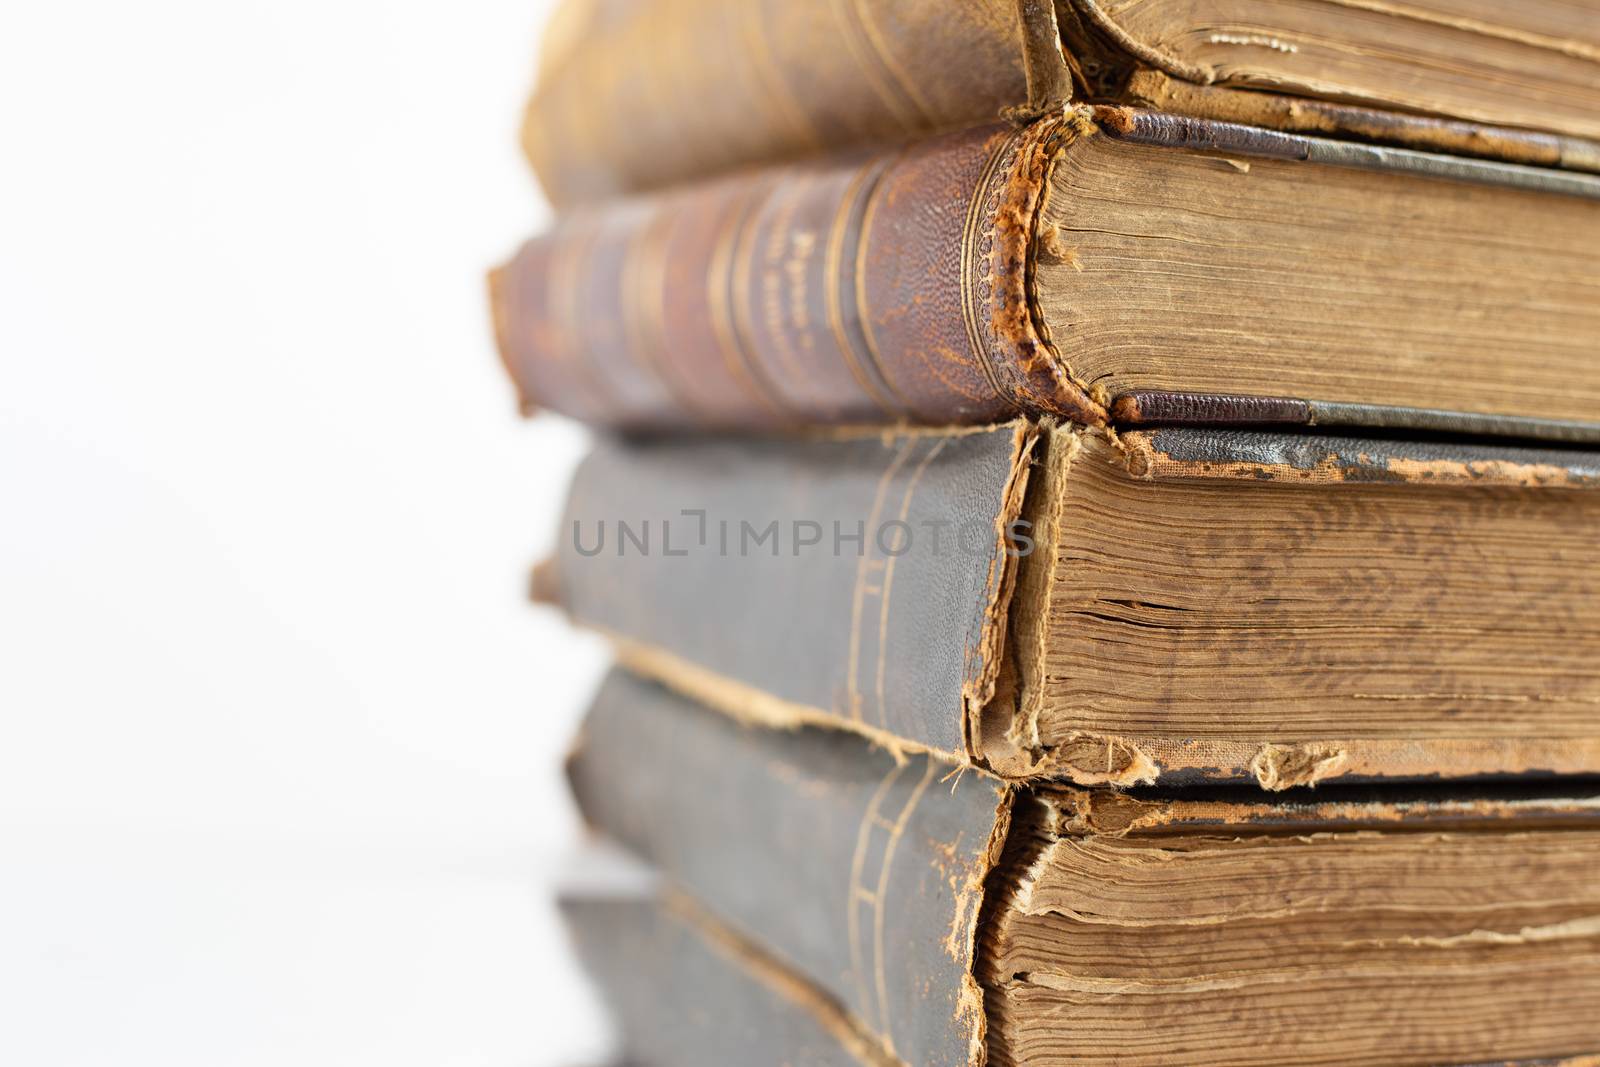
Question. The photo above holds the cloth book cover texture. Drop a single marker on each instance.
(686, 992)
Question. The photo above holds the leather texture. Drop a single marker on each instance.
(1156, 91)
(660, 91)
(643, 94)
(1154, 408)
(1199, 134)
(878, 289)
(896, 287)
(1147, 408)
(1192, 453)
(1539, 74)
(862, 873)
(1527, 804)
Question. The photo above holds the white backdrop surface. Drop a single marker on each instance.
(279, 777)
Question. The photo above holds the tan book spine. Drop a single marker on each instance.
(643, 94)
(651, 94)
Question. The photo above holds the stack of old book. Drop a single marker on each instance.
(1098, 510)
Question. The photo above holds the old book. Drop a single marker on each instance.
(637, 94)
(958, 919)
(1067, 269)
(685, 991)
(1168, 605)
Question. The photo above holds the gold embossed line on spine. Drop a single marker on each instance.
(643, 289)
(843, 291)
(859, 33)
(855, 296)
(977, 241)
(565, 304)
(869, 582)
(721, 279)
(861, 898)
(787, 110)
(770, 269)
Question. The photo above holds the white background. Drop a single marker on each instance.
(279, 770)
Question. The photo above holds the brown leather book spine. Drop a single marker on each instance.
(885, 288)
(861, 873)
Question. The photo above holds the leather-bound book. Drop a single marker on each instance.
(1069, 267)
(957, 920)
(637, 94)
(1151, 606)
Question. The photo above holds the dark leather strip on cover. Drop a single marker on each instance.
(1156, 408)
(1156, 91)
(1153, 408)
(857, 579)
(1459, 423)
(862, 872)
(1194, 453)
(1571, 802)
(683, 997)
(1177, 131)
